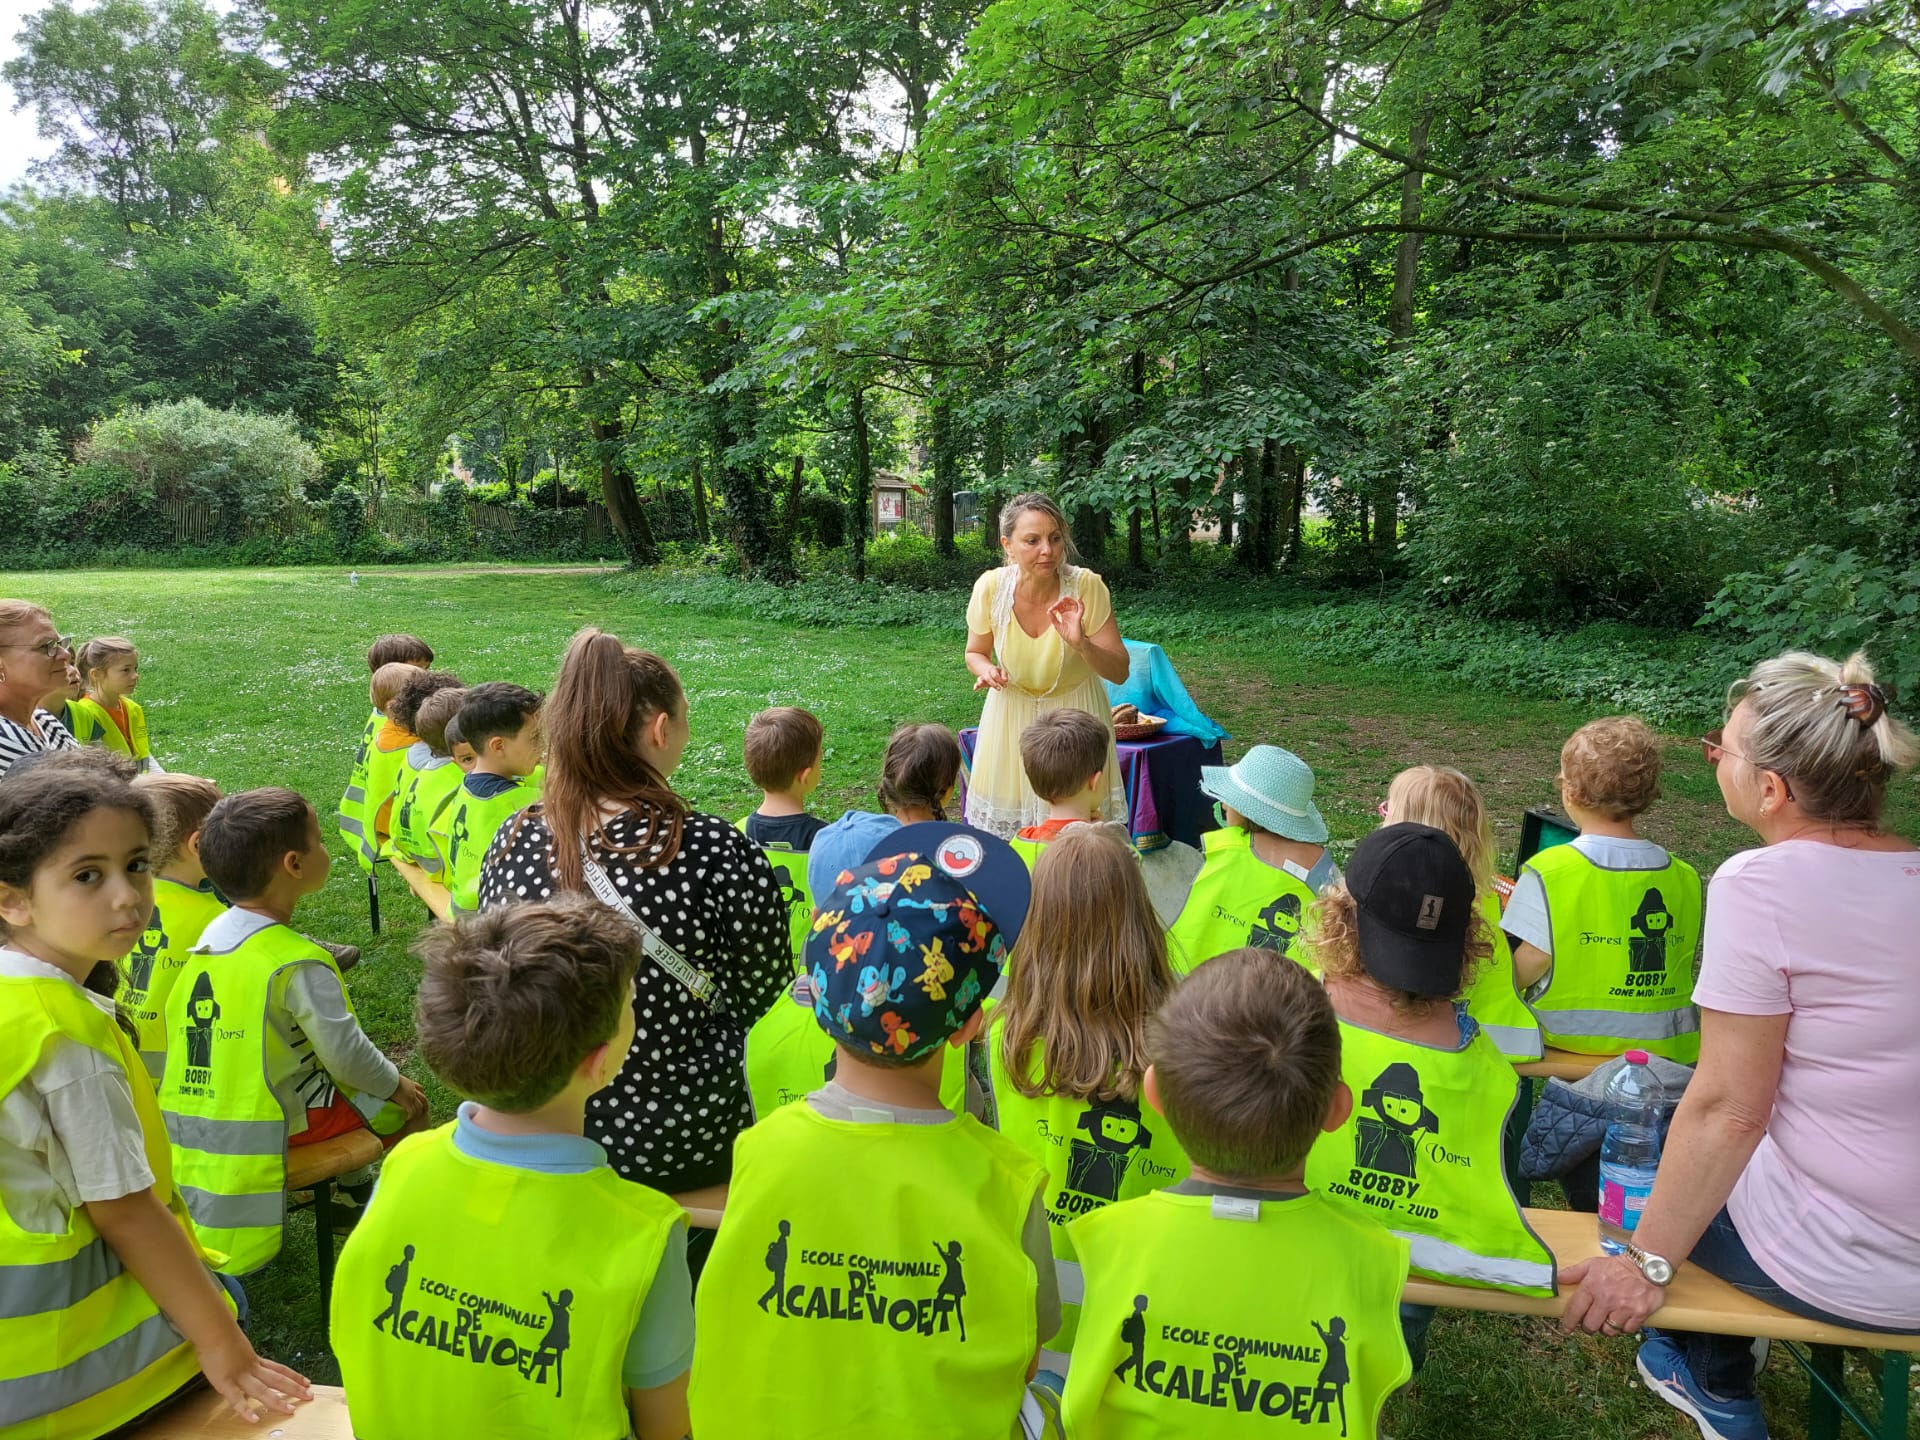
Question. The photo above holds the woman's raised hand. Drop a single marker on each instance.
(1067, 615)
(993, 678)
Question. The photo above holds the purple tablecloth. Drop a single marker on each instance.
(1161, 779)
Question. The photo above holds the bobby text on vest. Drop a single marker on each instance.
(867, 1274)
(83, 1348)
(228, 1128)
(1095, 1153)
(480, 1299)
(1493, 996)
(1238, 900)
(1624, 943)
(180, 913)
(1422, 1154)
(1225, 1315)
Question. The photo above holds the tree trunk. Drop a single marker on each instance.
(860, 502)
(1246, 553)
(790, 510)
(1293, 465)
(629, 520)
(1406, 272)
(993, 467)
(702, 529)
(946, 472)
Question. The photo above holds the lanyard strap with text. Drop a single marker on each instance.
(698, 982)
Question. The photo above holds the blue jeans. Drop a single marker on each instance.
(1723, 1364)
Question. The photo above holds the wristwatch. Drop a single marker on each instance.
(1656, 1268)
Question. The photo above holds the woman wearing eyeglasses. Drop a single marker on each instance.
(33, 663)
(1794, 1158)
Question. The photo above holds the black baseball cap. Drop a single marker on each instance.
(1414, 898)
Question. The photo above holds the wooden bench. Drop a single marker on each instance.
(430, 891)
(205, 1416)
(1703, 1302)
(315, 1167)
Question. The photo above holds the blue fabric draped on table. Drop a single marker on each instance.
(1161, 780)
(1153, 687)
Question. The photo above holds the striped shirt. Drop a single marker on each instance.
(17, 741)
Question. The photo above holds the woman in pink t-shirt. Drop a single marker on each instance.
(1793, 1165)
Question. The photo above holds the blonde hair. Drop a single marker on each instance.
(387, 681)
(99, 654)
(1333, 939)
(1612, 766)
(1019, 505)
(1444, 798)
(181, 804)
(16, 613)
(1088, 972)
(1824, 727)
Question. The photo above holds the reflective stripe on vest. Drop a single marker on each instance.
(475, 1298)
(790, 869)
(1494, 1000)
(1624, 943)
(837, 1309)
(467, 826)
(180, 913)
(424, 794)
(788, 1056)
(83, 1348)
(1237, 900)
(353, 801)
(226, 1125)
(1094, 1152)
(1422, 1153)
(1219, 1315)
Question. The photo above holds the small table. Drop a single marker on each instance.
(1161, 780)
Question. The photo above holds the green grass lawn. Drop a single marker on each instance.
(258, 677)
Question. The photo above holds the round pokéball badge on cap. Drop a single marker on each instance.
(983, 863)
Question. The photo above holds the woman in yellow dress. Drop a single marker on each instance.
(1040, 636)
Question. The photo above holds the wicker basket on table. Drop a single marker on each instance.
(1130, 725)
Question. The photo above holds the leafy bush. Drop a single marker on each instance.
(906, 558)
(1831, 602)
(247, 467)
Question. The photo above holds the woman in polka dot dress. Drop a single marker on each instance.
(616, 726)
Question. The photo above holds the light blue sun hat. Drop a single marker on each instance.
(1271, 787)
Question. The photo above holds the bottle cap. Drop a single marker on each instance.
(1636, 1057)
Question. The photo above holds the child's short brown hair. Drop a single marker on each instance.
(513, 999)
(1612, 766)
(436, 712)
(399, 650)
(780, 743)
(182, 804)
(387, 681)
(1062, 751)
(404, 708)
(1246, 1057)
(246, 836)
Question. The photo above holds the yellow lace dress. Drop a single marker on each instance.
(1043, 674)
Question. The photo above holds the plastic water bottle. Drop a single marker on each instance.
(1630, 1153)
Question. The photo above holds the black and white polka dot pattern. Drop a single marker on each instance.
(670, 1118)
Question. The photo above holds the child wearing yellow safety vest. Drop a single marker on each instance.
(1446, 799)
(184, 904)
(1067, 1048)
(884, 1261)
(1422, 1150)
(365, 805)
(1606, 928)
(1064, 753)
(1238, 1298)
(406, 831)
(107, 714)
(783, 749)
(501, 721)
(107, 1304)
(264, 1050)
(504, 1278)
(1262, 868)
(430, 784)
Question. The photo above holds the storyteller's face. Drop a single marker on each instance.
(1037, 542)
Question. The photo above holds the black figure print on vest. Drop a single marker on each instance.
(1334, 1373)
(777, 1266)
(1647, 938)
(457, 836)
(1277, 925)
(553, 1344)
(140, 963)
(396, 1293)
(953, 1284)
(1097, 1165)
(1133, 1335)
(1387, 1135)
(202, 1011)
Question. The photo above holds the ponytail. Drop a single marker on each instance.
(605, 696)
(921, 766)
(1824, 727)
